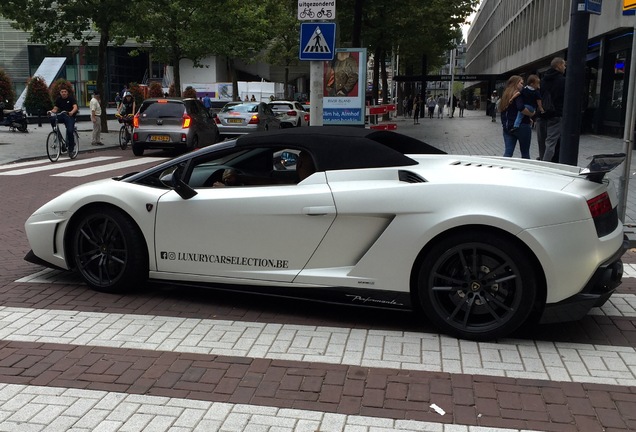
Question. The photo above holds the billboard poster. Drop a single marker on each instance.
(343, 88)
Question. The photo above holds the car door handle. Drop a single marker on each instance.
(319, 210)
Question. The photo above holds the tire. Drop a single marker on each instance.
(76, 148)
(478, 286)
(195, 143)
(109, 251)
(123, 142)
(53, 147)
(138, 149)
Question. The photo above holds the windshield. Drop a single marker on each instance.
(281, 107)
(162, 109)
(244, 108)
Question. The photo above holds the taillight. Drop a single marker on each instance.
(291, 113)
(599, 205)
(186, 121)
(254, 119)
(216, 120)
(136, 121)
(307, 118)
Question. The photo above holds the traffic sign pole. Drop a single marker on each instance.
(317, 83)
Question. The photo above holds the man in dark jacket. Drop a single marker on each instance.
(552, 90)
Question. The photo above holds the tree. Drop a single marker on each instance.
(420, 29)
(38, 99)
(243, 33)
(6, 90)
(190, 92)
(177, 30)
(155, 90)
(56, 24)
(283, 47)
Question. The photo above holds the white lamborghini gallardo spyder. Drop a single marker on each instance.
(479, 245)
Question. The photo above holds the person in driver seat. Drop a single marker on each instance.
(229, 178)
(304, 166)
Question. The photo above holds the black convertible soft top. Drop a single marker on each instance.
(344, 147)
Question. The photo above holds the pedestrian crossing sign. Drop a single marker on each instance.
(317, 41)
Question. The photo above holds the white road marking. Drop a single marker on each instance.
(58, 165)
(36, 408)
(554, 361)
(109, 167)
(23, 164)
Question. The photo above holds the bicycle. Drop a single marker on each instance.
(307, 13)
(126, 130)
(55, 142)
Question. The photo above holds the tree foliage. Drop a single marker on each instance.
(6, 89)
(243, 33)
(175, 30)
(38, 99)
(283, 46)
(155, 90)
(189, 92)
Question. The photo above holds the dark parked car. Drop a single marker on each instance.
(173, 123)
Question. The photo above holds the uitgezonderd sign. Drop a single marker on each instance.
(316, 10)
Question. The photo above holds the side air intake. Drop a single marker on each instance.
(409, 177)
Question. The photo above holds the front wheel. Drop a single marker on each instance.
(53, 147)
(109, 251)
(478, 286)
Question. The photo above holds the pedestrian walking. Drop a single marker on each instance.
(441, 102)
(96, 113)
(510, 105)
(207, 102)
(494, 99)
(462, 105)
(416, 109)
(552, 95)
(431, 104)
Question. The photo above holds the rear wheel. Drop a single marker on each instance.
(75, 151)
(478, 286)
(53, 147)
(123, 140)
(138, 149)
(109, 251)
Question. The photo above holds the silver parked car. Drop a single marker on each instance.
(173, 123)
(290, 113)
(246, 117)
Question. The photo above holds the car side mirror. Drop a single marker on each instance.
(179, 186)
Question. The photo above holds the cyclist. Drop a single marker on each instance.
(125, 112)
(66, 104)
(127, 105)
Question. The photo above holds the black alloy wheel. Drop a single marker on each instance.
(477, 286)
(109, 251)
